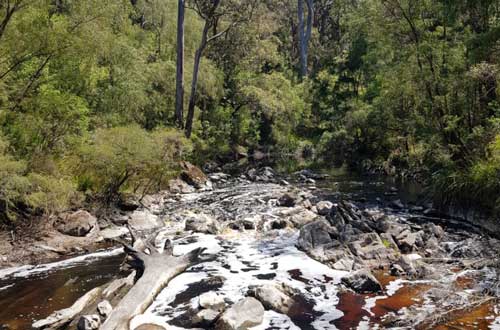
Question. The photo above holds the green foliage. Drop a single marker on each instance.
(22, 192)
(127, 159)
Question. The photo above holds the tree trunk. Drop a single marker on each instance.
(179, 83)
(304, 34)
(301, 36)
(153, 272)
(159, 269)
(194, 83)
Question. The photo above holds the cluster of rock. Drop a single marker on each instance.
(353, 240)
(213, 311)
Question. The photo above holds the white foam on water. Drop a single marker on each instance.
(275, 321)
(242, 261)
(30, 270)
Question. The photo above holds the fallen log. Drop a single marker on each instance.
(153, 270)
(157, 270)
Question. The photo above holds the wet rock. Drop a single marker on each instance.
(177, 186)
(144, 220)
(243, 315)
(200, 223)
(79, 224)
(315, 235)
(193, 175)
(273, 297)
(104, 308)
(287, 200)
(362, 281)
(89, 322)
(205, 318)
(324, 207)
(397, 270)
(211, 300)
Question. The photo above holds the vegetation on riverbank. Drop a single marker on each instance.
(88, 92)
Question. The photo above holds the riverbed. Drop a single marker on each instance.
(249, 258)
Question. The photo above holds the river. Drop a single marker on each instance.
(245, 260)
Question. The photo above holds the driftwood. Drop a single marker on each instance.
(153, 270)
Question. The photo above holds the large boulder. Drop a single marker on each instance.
(315, 235)
(243, 315)
(178, 186)
(193, 175)
(275, 298)
(200, 223)
(144, 220)
(78, 224)
(362, 281)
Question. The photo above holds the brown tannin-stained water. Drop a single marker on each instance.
(24, 300)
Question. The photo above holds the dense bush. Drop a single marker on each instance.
(22, 192)
(127, 158)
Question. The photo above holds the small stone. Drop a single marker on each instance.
(324, 207)
(397, 270)
(212, 300)
(287, 200)
(104, 308)
(206, 317)
(89, 322)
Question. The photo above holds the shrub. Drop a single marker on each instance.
(127, 159)
(21, 192)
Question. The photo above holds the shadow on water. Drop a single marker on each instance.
(27, 299)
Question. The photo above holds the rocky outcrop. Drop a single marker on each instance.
(79, 224)
(193, 175)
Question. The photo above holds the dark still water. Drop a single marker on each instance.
(36, 296)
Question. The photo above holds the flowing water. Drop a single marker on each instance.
(243, 260)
